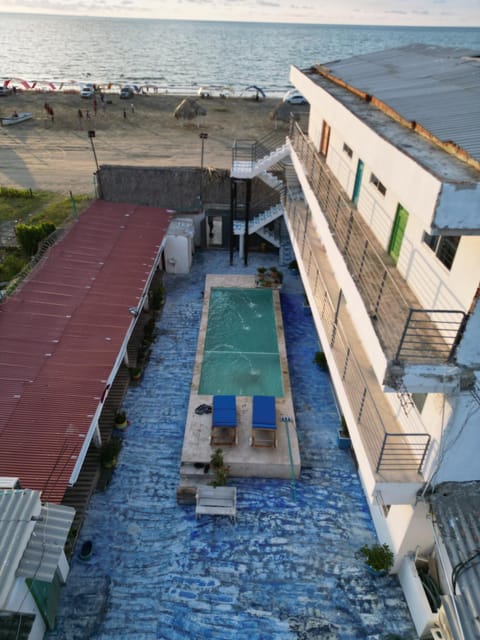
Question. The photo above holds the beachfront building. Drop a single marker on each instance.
(33, 565)
(383, 209)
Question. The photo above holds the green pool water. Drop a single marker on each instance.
(241, 349)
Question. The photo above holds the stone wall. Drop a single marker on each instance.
(169, 187)
(174, 187)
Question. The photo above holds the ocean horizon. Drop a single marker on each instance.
(179, 56)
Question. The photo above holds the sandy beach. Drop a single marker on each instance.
(56, 154)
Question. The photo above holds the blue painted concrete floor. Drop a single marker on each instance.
(288, 569)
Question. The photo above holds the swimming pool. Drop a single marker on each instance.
(241, 355)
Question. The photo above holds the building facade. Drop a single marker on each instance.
(383, 211)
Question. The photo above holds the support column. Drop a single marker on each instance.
(241, 247)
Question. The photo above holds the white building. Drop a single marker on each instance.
(33, 565)
(383, 212)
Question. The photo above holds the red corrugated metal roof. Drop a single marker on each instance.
(60, 336)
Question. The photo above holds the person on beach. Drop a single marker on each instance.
(124, 114)
(94, 106)
(80, 118)
(132, 107)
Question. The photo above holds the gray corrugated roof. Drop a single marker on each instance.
(41, 557)
(438, 87)
(32, 537)
(456, 509)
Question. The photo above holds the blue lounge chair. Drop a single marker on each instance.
(264, 422)
(224, 420)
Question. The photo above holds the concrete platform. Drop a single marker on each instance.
(244, 460)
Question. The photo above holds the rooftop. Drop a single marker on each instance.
(436, 88)
(456, 511)
(60, 336)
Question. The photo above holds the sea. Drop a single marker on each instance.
(179, 57)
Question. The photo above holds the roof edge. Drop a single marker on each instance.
(448, 146)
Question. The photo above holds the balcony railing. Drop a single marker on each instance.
(427, 335)
(389, 449)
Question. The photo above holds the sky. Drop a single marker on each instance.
(456, 13)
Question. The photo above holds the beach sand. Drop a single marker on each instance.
(57, 155)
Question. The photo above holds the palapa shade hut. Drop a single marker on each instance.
(189, 109)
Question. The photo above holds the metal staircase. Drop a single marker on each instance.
(247, 164)
(259, 225)
(253, 160)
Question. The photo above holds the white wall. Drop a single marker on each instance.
(21, 600)
(408, 184)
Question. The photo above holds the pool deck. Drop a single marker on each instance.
(243, 459)
(288, 569)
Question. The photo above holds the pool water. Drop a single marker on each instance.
(241, 354)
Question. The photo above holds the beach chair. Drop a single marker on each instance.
(264, 422)
(224, 420)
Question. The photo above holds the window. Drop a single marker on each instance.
(376, 182)
(444, 247)
(347, 150)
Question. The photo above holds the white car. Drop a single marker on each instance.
(5, 91)
(294, 97)
(87, 92)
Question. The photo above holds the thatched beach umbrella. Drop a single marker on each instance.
(188, 109)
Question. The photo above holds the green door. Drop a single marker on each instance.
(358, 182)
(398, 232)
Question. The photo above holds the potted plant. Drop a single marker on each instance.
(343, 438)
(378, 558)
(220, 470)
(121, 420)
(109, 453)
(135, 374)
(320, 360)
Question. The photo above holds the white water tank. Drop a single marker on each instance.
(179, 245)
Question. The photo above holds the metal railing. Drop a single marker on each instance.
(427, 336)
(387, 450)
(252, 151)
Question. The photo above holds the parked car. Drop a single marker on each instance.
(294, 97)
(126, 93)
(87, 92)
(5, 91)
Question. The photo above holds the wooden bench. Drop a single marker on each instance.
(219, 501)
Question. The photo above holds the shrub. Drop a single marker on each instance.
(29, 236)
(378, 556)
(109, 452)
(10, 266)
